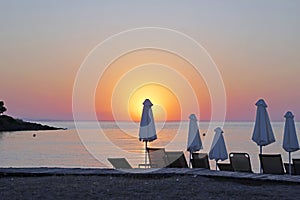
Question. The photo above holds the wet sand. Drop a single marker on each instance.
(141, 187)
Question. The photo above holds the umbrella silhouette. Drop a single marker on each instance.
(218, 149)
(194, 142)
(147, 132)
(263, 134)
(290, 140)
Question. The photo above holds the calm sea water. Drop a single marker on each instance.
(89, 145)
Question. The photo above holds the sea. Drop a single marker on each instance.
(88, 144)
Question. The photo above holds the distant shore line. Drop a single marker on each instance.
(10, 124)
(125, 121)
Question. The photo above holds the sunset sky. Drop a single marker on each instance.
(255, 45)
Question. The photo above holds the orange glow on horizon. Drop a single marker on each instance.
(172, 84)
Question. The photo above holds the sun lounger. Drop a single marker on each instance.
(119, 163)
(157, 157)
(176, 159)
(296, 163)
(200, 160)
(271, 163)
(225, 166)
(240, 162)
(287, 168)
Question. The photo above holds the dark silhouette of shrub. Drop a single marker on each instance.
(2, 108)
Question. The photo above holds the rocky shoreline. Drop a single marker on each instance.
(8, 123)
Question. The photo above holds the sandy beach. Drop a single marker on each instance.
(137, 187)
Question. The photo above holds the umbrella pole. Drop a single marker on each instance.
(190, 160)
(146, 153)
(290, 166)
(260, 149)
(260, 152)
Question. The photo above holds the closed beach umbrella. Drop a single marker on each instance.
(194, 142)
(218, 149)
(263, 133)
(147, 132)
(290, 140)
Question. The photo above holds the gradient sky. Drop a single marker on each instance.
(255, 45)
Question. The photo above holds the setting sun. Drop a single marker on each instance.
(165, 103)
(151, 73)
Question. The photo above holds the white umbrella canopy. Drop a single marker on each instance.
(290, 140)
(218, 149)
(263, 133)
(147, 131)
(194, 142)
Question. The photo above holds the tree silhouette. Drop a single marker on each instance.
(2, 108)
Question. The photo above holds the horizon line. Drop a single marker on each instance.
(159, 121)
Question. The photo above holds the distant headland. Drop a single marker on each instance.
(8, 123)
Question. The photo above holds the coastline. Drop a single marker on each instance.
(10, 124)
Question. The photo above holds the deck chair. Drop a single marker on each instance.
(200, 160)
(157, 157)
(287, 168)
(240, 162)
(296, 163)
(225, 166)
(119, 163)
(176, 159)
(271, 163)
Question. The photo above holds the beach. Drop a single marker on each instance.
(149, 100)
(137, 187)
(83, 177)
